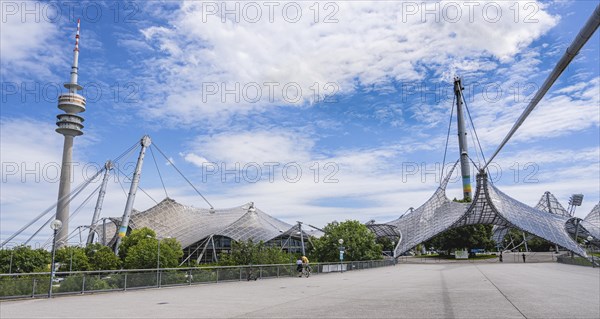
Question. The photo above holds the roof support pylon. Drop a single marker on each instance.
(145, 143)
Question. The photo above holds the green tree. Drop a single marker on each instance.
(72, 258)
(171, 253)
(472, 236)
(248, 252)
(359, 242)
(102, 257)
(24, 260)
(143, 254)
(133, 239)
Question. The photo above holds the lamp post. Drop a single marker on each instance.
(158, 258)
(56, 225)
(71, 260)
(589, 239)
(158, 263)
(341, 242)
(12, 251)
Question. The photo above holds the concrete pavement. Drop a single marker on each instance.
(478, 290)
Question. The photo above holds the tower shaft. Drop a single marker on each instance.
(64, 189)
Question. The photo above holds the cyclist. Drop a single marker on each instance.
(299, 266)
(305, 264)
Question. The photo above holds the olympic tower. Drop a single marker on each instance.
(69, 125)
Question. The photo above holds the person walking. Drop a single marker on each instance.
(523, 257)
(500, 256)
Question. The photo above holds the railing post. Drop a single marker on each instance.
(277, 271)
(33, 287)
(190, 277)
(125, 283)
(159, 278)
(260, 271)
(240, 273)
(83, 284)
(217, 275)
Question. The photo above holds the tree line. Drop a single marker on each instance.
(139, 250)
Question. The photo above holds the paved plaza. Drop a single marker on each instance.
(445, 290)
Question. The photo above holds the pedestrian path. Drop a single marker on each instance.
(450, 290)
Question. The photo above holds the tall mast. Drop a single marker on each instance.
(69, 125)
(462, 141)
(145, 143)
(99, 202)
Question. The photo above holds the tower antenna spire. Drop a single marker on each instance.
(72, 85)
(77, 35)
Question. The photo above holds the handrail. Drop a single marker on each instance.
(180, 268)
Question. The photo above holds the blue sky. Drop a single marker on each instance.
(355, 95)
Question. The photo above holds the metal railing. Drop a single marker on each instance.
(36, 285)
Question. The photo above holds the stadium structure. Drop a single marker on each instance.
(204, 233)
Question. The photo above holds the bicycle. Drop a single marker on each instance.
(251, 275)
(306, 271)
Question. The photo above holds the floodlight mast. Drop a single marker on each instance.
(145, 143)
(462, 141)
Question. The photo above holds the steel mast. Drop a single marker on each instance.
(462, 141)
(145, 143)
(99, 202)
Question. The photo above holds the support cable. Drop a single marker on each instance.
(476, 153)
(126, 152)
(70, 197)
(580, 40)
(158, 170)
(152, 198)
(143, 191)
(185, 178)
(127, 155)
(472, 161)
(72, 215)
(48, 241)
(193, 252)
(121, 184)
(447, 138)
(474, 130)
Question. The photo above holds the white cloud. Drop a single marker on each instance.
(557, 114)
(262, 146)
(369, 45)
(348, 183)
(27, 41)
